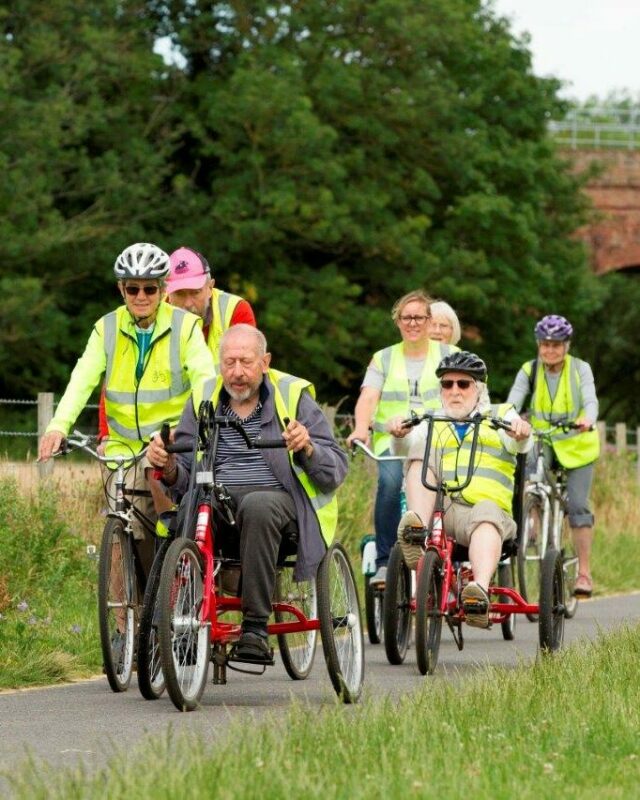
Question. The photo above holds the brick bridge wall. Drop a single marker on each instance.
(613, 238)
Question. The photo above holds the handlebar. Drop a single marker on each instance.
(359, 444)
(236, 424)
(82, 441)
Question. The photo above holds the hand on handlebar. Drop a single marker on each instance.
(158, 456)
(50, 444)
(360, 435)
(583, 424)
(520, 429)
(297, 438)
(398, 427)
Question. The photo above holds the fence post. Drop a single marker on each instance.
(602, 433)
(621, 438)
(45, 415)
(638, 454)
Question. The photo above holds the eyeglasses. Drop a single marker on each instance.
(133, 291)
(463, 383)
(418, 319)
(441, 326)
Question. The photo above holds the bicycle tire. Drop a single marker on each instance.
(397, 607)
(373, 605)
(185, 648)
(150, 676)
(529, 555)
(551, 622)
(340, 623)
(117, 604)
(428, 616)
(297, 650)
(569, 566)
(505, 578)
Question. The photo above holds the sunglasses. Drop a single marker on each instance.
(133, 291)
(463, 383)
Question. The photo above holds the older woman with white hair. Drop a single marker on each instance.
(480, 517)
(443, 324)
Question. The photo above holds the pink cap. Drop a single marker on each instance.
(189, 270)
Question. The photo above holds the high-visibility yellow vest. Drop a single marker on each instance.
(223, 304)
(394, 398)
(572, 449)
(494, 467)
(135, 410)
(287, 392)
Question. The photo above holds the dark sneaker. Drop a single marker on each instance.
(475, 602)
(252, 649)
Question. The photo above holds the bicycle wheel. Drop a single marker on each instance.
(397, 607)
(551, 623)
(505, 578)
(117, 605)
(297, 650)
(184, 637)
(373, 604)
(569, 566)
(529, 552)
(150, 676)
(428, 616)
(340, 625)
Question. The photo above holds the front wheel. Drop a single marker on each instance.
(150, 676)
(551, 622)
(297, 650)
(397, 607)
(340, 624)
(428, 615)
(530, 551)
(117, 604)
(184, 636)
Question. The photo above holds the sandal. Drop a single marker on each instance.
(583, 587)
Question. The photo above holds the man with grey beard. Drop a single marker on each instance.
(479, 517)
(277, 491)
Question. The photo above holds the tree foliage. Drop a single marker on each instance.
(327, 157)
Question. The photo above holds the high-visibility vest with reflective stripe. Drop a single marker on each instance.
(287, 392)
(394, 398)
(223, 304)
(573, 449)
(494, 467)
(136, 410)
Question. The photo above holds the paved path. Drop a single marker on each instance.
(84, 722)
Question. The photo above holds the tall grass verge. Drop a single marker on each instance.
(565, 727)
(48, 618)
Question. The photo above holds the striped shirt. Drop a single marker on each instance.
(236, 464)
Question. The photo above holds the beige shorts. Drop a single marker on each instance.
(461, 520)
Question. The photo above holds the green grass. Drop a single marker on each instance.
(48, 625)
(565, 727)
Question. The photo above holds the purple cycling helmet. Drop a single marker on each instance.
(553, 328)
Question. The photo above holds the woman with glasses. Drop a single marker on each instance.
(151, 355)
(399, 379)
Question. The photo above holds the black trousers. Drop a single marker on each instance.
(263, 517)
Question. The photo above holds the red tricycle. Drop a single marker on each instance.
(443, 571)
(187, 625)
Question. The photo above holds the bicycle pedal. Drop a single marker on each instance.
(257, 662)
(474, 605)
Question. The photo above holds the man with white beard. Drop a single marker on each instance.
(479, 517)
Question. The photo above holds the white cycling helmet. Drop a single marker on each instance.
(142, 260)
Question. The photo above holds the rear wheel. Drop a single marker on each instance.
(551, 622)
(117, 604)
(373, 605)
(150, 676)
(569, 566)
(529, 552)
(428, 616)
(505, 578)
(397, 607)
(340, 625)
(297, 650)
(184, 637)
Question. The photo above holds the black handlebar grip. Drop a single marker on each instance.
(265, 443)
(183, 447)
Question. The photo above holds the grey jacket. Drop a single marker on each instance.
(327, 467)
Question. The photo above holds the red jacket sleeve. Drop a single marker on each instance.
(243, 313)
(103, 428)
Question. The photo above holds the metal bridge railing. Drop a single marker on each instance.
(598, 128)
